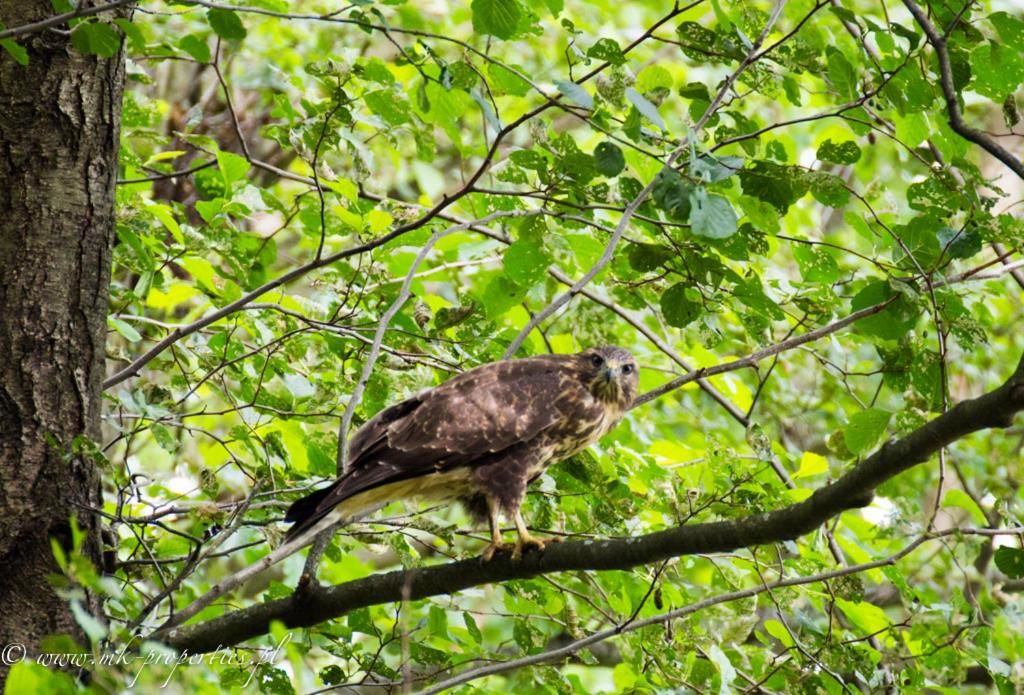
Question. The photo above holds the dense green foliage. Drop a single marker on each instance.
(426, 177)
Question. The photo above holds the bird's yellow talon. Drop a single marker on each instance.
(526, 542)
(493, 548)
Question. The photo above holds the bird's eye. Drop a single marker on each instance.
(627, 369)
(596, 360)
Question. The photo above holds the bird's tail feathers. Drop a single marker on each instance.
(306, 512)
(306, 506)
(344, 500)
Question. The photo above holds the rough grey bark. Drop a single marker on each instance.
(59, 130)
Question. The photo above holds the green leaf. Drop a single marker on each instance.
(28, 676)
(648, 257)
(608, 159)
(779, 185)
(712, 170)
(671, 192)
(504, 81)
(959, 243)
(321, 462)
(646, 108)
(624, 677)
(845, 15)
(376, 70)
(446, 317)
(869, 618)
(725, 668)
(792, 89)
(996, 70)
(437, 622)
(472, 628)
(96, 38)
(913, 36)
(711, 215)
(811, 464)
(94, 628)
(273, 681)
(654, 78)
(608, 50)
(195, 47)
(1010, 562)
(761, 214)
(1010, 30)
(865, 429)
(526, 262)
(891, 323)
(828, 189)
(131, 30)
(702, 44)
(845, 152)
(125, 329)
(751, 292)
(912, 129)
(954, 497)
(460, 75)
(164, 437)
(498, 18)
(677, 307)
(529, 159)
(918, 243)
(926, 378)
(387, 104)
(777, 630)
(501, 295)
(15, 50)
(233, 167)
(226, 24)
(841, 73)
(631, 125)
(576, 93)
(816, 265)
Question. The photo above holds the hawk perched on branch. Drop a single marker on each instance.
(480, 438)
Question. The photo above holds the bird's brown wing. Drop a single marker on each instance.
(464, 420)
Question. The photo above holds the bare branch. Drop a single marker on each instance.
(755, 357)
(59, 19)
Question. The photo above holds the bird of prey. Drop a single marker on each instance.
(480, 438)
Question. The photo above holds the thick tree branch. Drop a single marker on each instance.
(854, 489)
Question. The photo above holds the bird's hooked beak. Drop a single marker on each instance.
(606, 382)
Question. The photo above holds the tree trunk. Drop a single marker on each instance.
(59, 130)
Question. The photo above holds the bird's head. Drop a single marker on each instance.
(611, 374)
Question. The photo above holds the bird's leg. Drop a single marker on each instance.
(524, 539)
(492, 517)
